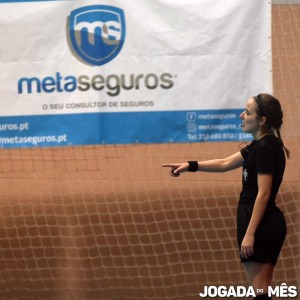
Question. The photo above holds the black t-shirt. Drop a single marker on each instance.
(265, 156)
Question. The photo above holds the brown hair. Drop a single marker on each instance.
(269, 107)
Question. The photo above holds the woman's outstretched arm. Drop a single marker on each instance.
(215, 165)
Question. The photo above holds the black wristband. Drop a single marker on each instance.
(193, 166)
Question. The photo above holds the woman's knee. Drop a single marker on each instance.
(262, 297)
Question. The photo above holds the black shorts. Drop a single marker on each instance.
(269, 236)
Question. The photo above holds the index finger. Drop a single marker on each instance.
(170, 165)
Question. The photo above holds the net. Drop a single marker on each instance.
(106, 222)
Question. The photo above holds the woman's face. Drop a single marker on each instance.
(249, 117)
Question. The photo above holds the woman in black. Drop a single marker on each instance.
(261, 227)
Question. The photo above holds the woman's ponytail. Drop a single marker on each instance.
(269, 106)
(286, 150)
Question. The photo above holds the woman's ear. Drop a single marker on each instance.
(263, 121)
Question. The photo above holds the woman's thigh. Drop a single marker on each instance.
(259, 275)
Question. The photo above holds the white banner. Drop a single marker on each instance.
(163, 70)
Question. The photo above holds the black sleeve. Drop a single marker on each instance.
(264, 158)
(245, 151)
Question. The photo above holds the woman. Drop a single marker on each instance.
(261, 227)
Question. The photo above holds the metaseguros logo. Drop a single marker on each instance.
(97, 33)
(96, 36)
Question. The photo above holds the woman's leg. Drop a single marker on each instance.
(259, 275)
